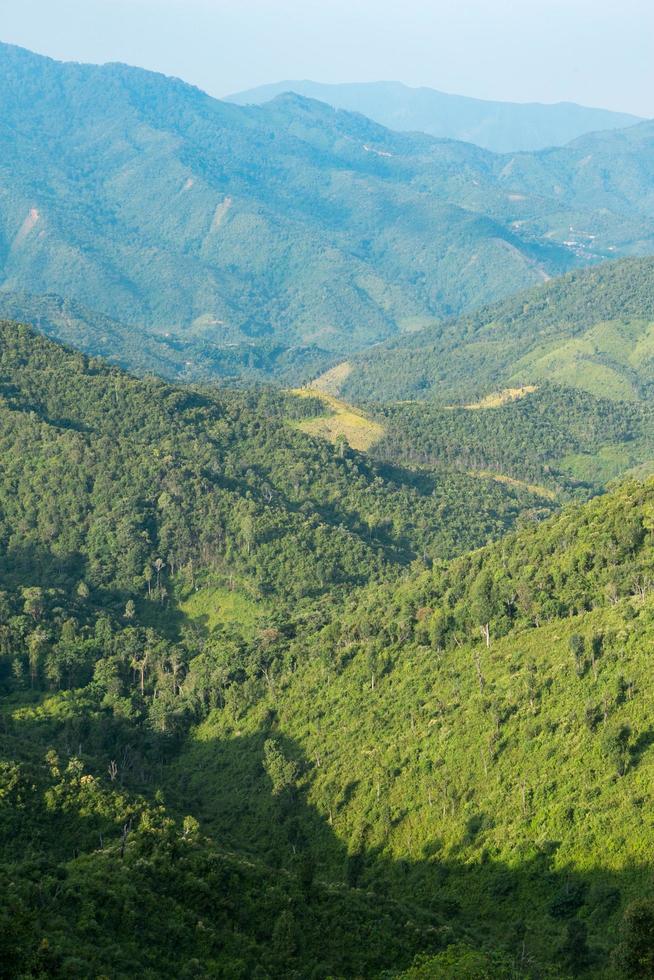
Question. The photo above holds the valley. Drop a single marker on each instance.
(326, 531)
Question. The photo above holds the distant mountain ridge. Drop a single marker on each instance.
(502, 127)
(287, 226)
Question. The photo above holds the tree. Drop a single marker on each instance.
(574, 950)
(33, 601)
(36, 646)
(577, 646)
(615, 748)
(483, 603)
(281, 771)
(635, 955)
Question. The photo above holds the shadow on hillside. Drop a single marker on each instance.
(536, 912)
(396, 908)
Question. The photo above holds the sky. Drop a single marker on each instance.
(596, 52)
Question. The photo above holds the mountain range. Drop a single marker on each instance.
(503, 127)
(289, 225)
(293, 686)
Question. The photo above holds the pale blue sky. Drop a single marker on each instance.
(597, 52)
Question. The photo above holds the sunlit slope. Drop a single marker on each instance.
(592, 330)
(511, 782)
(340, 421)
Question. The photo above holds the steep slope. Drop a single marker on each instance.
(143, 198)
(499, 126)
(159, 547)
(590, 330)
(510, 783)
(241, 737)
(288, 225)
(168, 355)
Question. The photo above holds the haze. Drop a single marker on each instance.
(545, 50)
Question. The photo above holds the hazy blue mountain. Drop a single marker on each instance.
(503, 127)
(144, 351)
(290, 225)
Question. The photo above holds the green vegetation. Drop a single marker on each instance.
(566, 441)
(477, 738)
(212, 607)
(591, 330)
(339, 422)
(175, 357)
(253, 723)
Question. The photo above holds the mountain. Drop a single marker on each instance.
(246, 733)
(290, 225)
(503, 127)
(590, 330)
(221, 481)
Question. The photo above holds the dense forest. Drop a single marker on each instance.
(177, 358)
(326, 539)
(265, 714)
(564, 440)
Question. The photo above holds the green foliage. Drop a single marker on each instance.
(562, 441)
(146, 351)
(589, 330)
(335, 775)
(482, 783)
(281, 771)
(635, 955)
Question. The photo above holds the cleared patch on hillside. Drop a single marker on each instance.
(222, 606)
(343, 420)
(499, 398)
(607, 360)
(535, 488)
(332, 381)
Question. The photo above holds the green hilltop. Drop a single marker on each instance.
(590, 330)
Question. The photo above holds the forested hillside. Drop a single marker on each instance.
(286, 225)
(182, 359)
(224, 482)
(477, 739)
(244, 732)
(564, 441)
(590, 330)
(160, 546)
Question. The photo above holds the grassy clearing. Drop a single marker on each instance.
(360, 431)
(607, 464)
(534, 488)
(220, 607)
(331, 381)
(499, 398)
(605, 360)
